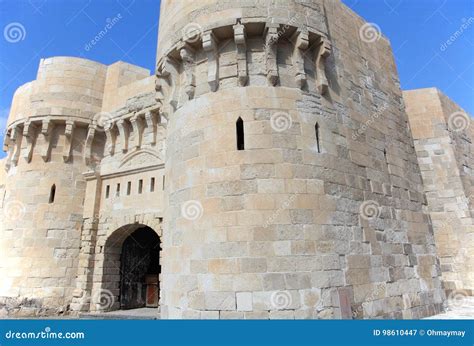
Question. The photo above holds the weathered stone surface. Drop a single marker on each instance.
(319, 195)
(443, 134)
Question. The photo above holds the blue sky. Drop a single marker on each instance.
(417, 30)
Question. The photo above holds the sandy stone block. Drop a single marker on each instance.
(231, 315)
(264, 234)
(328, 278)
(219, 300)
(295, 186)
(209, 315)
(258, 142)
(223, 266)
(244, 301)
(282, 315)
(281, 264)
(357, 276)
(253, 265)
(261, 248)
(274, 281)
(303, 247)
(259, 171)
(259, 201)
(369, 292)
(298, 280)
(231, 188)
(198, 267)
(358, 261)
(239, 234)
(248, 282)
(250, 218)
(282, 248)
(301, 216)
(256, 315)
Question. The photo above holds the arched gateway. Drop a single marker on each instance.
(130, 270)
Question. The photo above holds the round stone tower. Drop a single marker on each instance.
(291, 180)
(49, 147)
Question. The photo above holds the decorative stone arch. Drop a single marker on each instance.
(151, 154)
(105, 295)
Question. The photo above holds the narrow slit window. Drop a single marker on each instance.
(163, 187)
(385, 155)
(152, 184)
(240, 134)
(117, 193)
(107, 191)
(316, 130)
(140, 186)
(52, 193)
(129, 187)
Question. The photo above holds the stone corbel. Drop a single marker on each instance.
(159, 96)
(301, 41)
(29, 133)
(124, 133)
(88, 144)
(13, 142)
(137, 128)
(209, 44)
(68, 134)
(271, 44)
(162, 119)
(324, 50)
(167, 71)
(46, 129)
(187, 56)
(151, 125)
(240, 39)
(111, 137)
(6, 141)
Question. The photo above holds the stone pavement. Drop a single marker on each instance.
(457, 310)
(132, 314)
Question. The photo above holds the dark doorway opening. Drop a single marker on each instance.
(140, 269)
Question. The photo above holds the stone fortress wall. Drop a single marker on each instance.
(444, 134)
(321, 215)
(282, 219)
(53, 138)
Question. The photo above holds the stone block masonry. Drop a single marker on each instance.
(443, 134)
(266, 167)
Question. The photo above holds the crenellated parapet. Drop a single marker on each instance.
(33, 134)
(61, 119)
(128, 131)
(247, 52)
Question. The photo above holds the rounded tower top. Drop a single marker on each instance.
(188, 18)
(64, 86)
